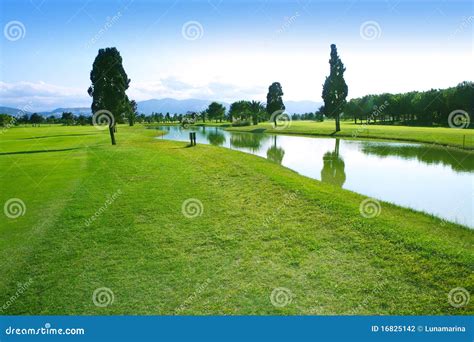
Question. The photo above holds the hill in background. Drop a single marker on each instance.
(167, 105)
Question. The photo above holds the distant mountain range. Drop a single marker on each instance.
(56, 112)
(301, 107)
(12, 111)
(194, 105)
(167, 105)
(75, 111)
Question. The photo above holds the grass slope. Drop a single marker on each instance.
(262, 227)
(439, 135)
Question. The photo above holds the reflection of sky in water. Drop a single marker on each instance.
(411, 175)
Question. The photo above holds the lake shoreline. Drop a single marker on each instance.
(332, 161)
(287, 131)
(349, 137)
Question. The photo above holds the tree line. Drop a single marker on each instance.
(242, 116)
(70, 119)
(35, 119)
(425, 108)
(111, 105)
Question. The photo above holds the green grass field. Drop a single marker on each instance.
(261, 227)
(461, 138)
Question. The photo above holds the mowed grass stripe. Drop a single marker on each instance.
(249, 239)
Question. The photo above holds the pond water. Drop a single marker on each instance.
(435, 180)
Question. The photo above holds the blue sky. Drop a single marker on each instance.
(240, 47)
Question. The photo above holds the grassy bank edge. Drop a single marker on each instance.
(342, 135)
(350, 137)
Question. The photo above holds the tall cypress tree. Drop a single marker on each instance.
(335, 88)
(274, 100)
(109, 83)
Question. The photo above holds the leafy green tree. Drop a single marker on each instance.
(239, 110)
(51, 119)
(36, 119)
(335, 88)
(256, 109)
(7, 120)
(109, 83)
(203, 115)
(215, 111)
(132, 113)
(275, 101)
(24, 119)
(352, 107)
(82, 120)
(425, 108)
(319, 114)
(67, 118)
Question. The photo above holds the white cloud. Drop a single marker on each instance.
(41, 96)
(230, 75)
(178, 89)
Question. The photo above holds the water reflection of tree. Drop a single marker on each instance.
(252, 141)
(216, 137)
(274, 153)
(333, 168)
(456, 159)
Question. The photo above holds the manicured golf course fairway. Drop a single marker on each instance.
(261, 227)
(461, 138)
